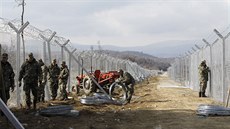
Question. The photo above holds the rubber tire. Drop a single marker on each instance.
(111, 89)
(88, 85)
(77, 89)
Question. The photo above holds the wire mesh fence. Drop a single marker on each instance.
(216, 51)
(47, 45)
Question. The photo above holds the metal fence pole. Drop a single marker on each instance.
(48, 40)
(223, 61)
(211, 63)
(18, 31)
(70, 68)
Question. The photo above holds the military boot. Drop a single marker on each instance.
(39, 99)
(203, 94)
(34, 105)
(43, 100)
(200, 94)
(28, 107)
(2, 114)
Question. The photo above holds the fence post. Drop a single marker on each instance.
(223, 61)
(211, 63)
(48, 40)
(62, 48)
(18, 31)
(44, 56)
(70, 61)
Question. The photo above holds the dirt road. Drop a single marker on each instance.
(159, 104)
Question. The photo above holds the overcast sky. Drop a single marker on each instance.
(123, 22)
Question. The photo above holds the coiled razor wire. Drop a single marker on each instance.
(99, 99)
(59, 110)
(212, 110)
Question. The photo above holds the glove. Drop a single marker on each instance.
(12, 88)
(19, 83)
(40, 81)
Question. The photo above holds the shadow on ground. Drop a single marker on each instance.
(128, 119)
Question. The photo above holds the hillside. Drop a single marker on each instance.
(142, 59)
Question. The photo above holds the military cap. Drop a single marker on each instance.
(31, 54)
(4, 55)
(40, 60)
(120, 71)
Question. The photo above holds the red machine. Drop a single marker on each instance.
(103, 79)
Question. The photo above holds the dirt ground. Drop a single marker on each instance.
(159, 104)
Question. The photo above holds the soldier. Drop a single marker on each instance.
(203, 73)
(8, 77)
(41, 86)
(63, 78)
(129, 82)
(54, 72)
(30, 73)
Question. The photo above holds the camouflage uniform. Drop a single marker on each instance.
(63, 78)
(30, 73)
(129, 82)
(203, 74)
(54, 72)
(41, 86)
(8, 77)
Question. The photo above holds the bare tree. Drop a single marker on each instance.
(22, 3)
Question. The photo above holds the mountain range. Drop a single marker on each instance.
(165, 49)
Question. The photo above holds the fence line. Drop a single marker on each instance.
(47, 45)
(216, 51)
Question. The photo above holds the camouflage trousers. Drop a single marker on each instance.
(63, 92)
(41, 92)
(3, 97)
(30, 87)
(54, 89)
(203, 86)
(130, 91)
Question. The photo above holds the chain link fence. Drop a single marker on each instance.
(47, 45)
(216, 51)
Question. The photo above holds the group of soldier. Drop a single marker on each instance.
(35, 75)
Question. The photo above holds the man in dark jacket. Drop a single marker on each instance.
(31, 74)
(54, 72)
(8, 77)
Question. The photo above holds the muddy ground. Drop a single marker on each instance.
(159, 104)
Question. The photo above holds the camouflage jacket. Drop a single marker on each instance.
(127, 78)
(64, 74)
(8, 75)
(44, 69)
(30, 72)
(203, 72)
(54, 72)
